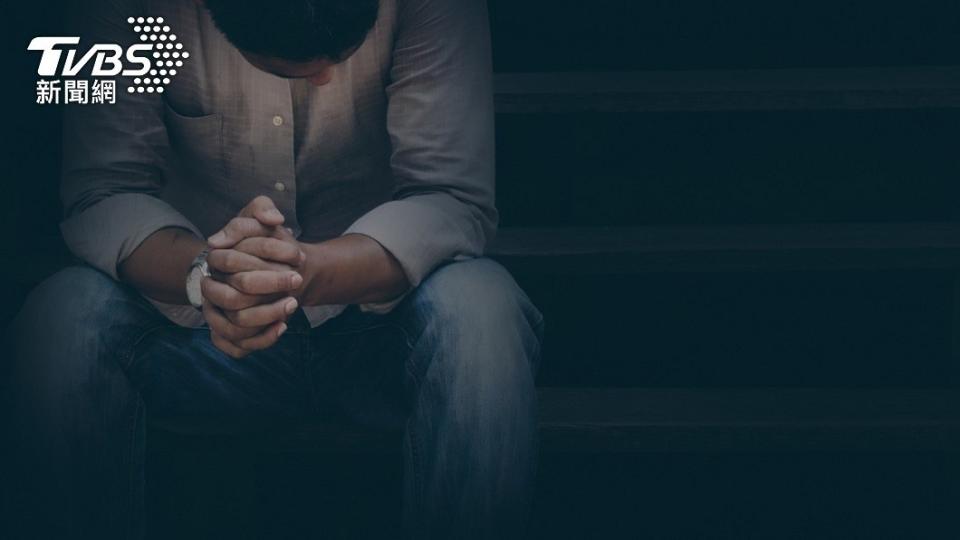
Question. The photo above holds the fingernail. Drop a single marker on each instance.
(296, 280)
(303, 257)
(274, 214)
(217, 238)
(289, 230)
(290, 306)
(283, 328)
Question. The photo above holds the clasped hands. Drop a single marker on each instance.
(258, 270)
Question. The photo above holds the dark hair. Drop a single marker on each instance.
(297, 30)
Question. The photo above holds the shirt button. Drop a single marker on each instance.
(278, 121)
(279, 186)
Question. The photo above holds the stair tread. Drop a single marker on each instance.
(732, 247)
(749, 406)
(702, 248)
(734, 89)
(675, 419)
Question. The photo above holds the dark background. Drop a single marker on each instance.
(828, 329)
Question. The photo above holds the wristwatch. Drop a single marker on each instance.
(198, 271)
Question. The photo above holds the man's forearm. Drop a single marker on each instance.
(158, 267)
(351, 269)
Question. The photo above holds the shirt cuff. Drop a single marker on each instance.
(382, 308)
(422, 232)
(105, 234)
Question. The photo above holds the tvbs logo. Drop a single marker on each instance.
(152, 64)
(107, 58)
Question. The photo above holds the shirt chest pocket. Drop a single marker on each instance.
(196, 144)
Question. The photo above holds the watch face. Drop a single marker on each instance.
(194, 294)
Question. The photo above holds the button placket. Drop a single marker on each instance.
(281, 169)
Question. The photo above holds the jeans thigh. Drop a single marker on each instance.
(181, 373)
(358, 369)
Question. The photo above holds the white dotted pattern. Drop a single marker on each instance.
(152, 31)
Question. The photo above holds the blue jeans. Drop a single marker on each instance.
(452, 366)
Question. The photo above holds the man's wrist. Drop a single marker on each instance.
(313, 272)
(158, 266)
(350, 269)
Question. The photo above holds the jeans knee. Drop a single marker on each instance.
(71, 295)
(476, 297)
(482, 331)
(70, 320)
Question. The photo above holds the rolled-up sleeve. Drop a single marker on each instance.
(113, 160)
(440, 120)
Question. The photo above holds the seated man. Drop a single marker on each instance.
(316, 179)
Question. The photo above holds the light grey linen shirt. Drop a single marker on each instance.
(398, 147)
